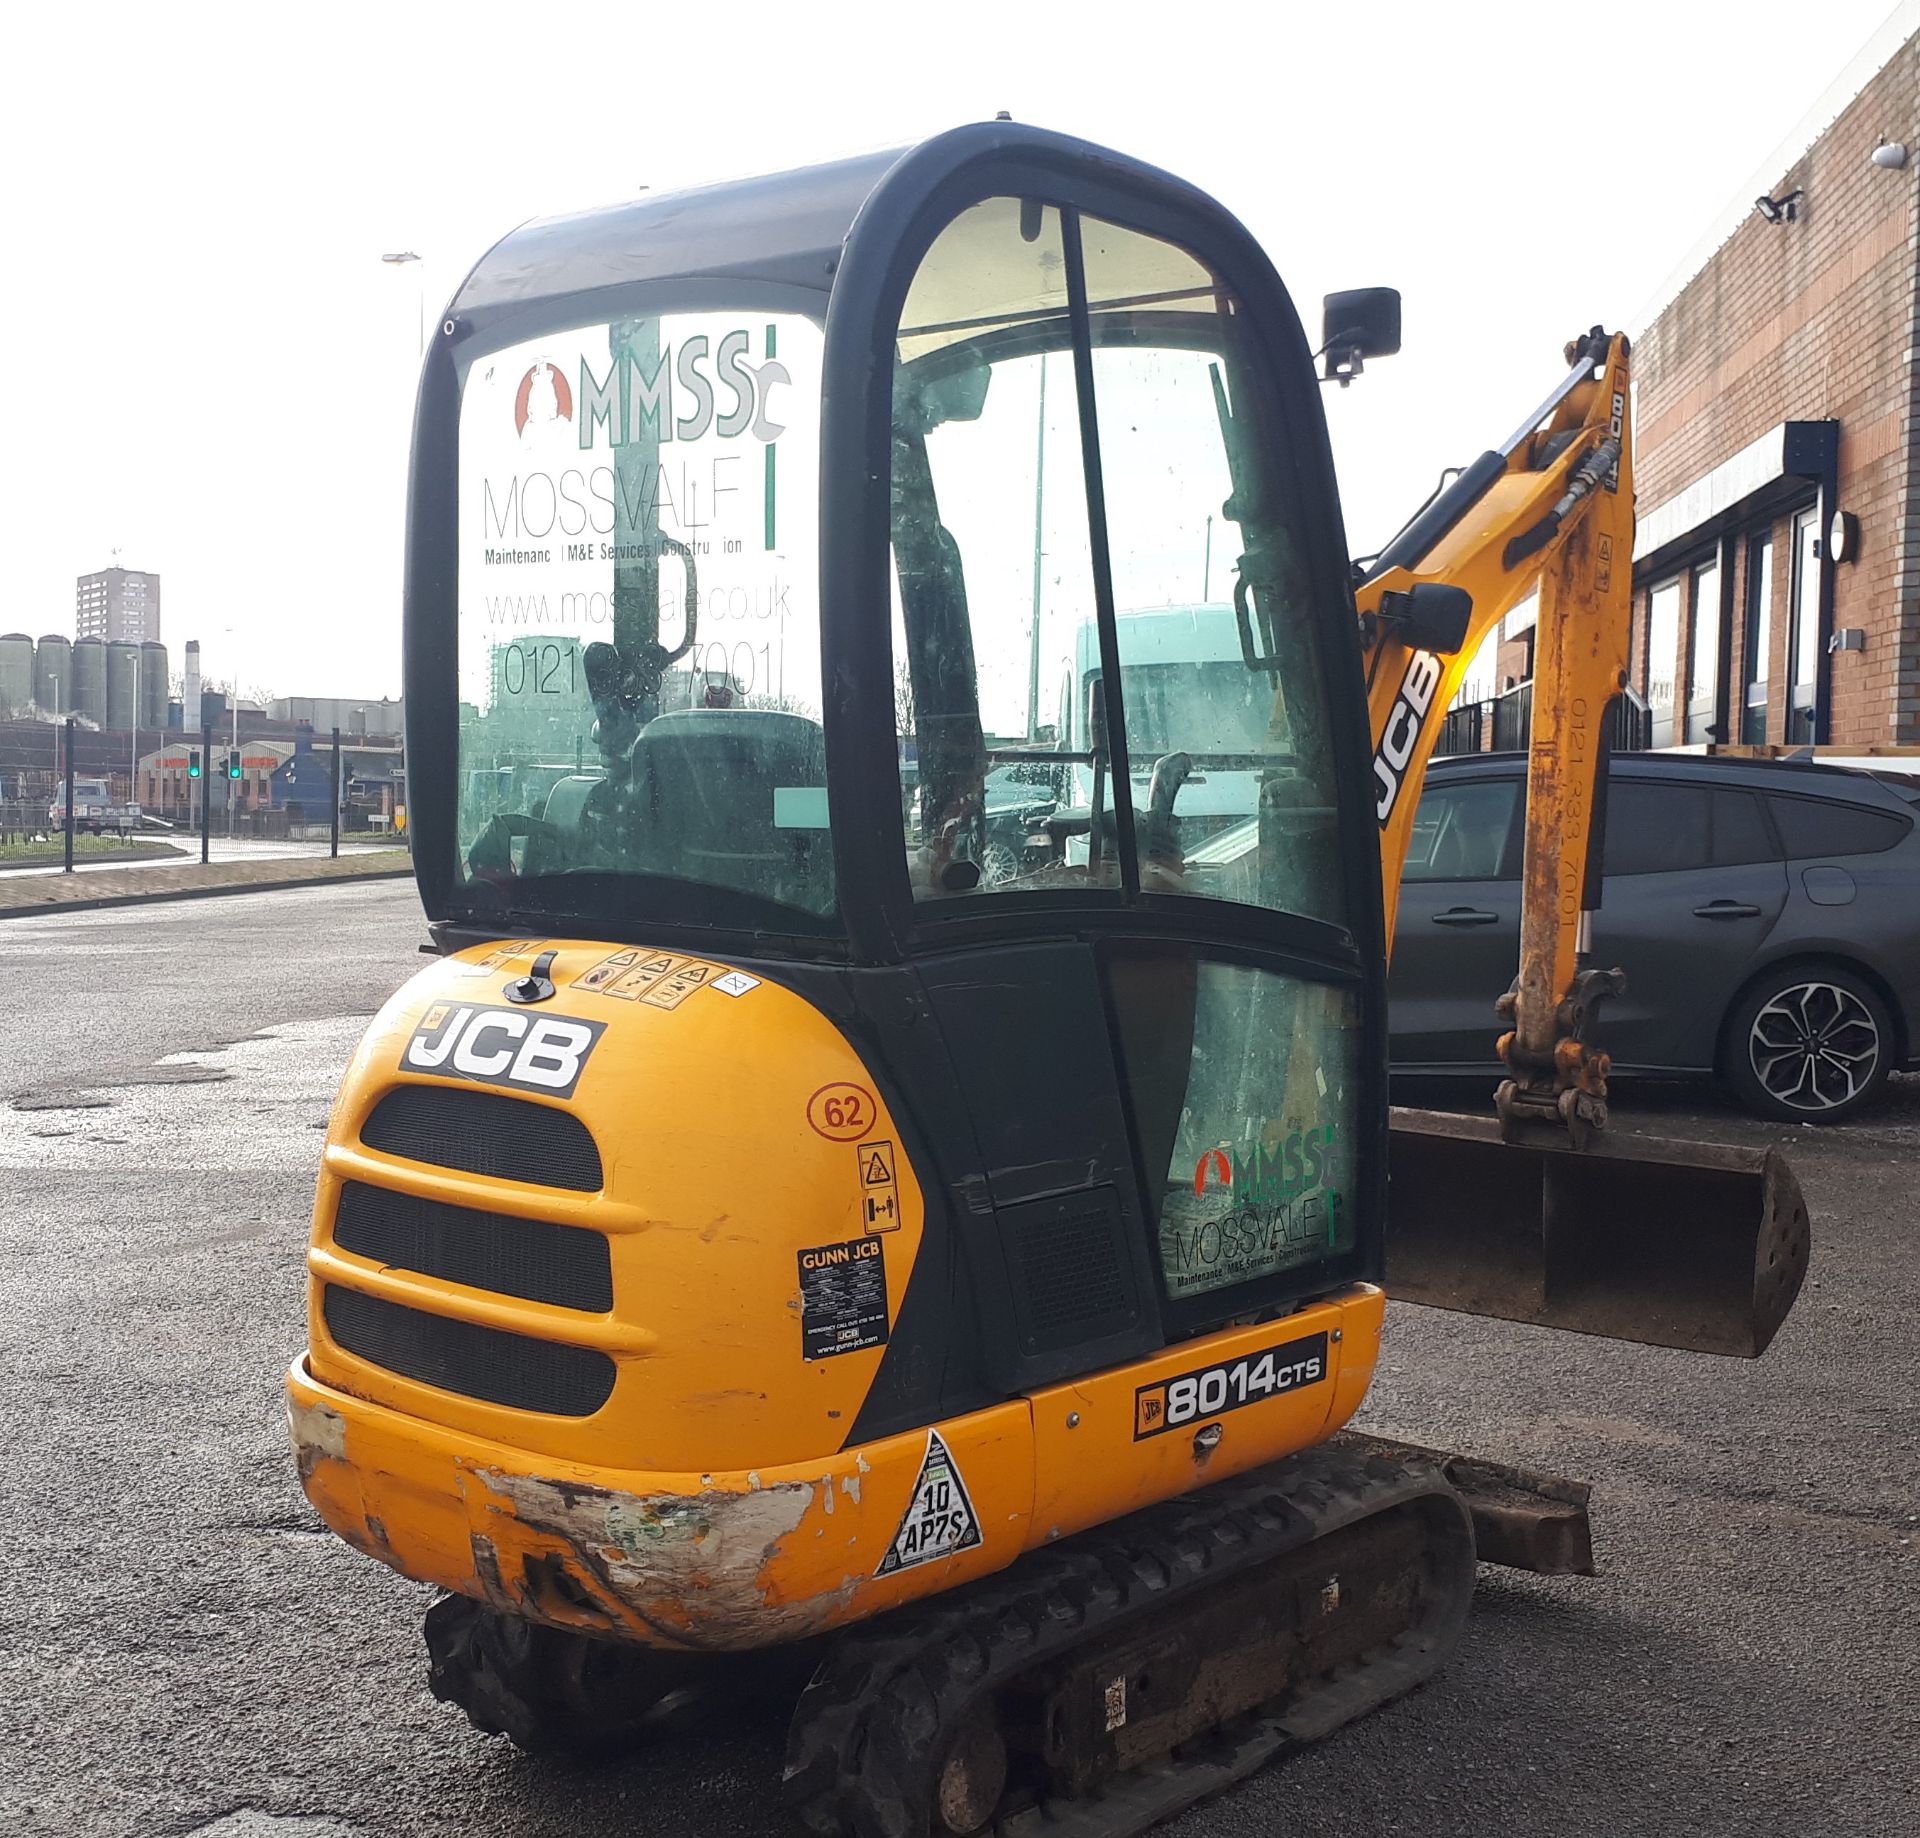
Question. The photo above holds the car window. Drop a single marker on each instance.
(1655, 827)
(1816, 826)
(1740, 831)
(1460, 832)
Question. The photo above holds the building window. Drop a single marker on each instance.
(1663, 658)
(1803, 642)
(1703, 666)
(1753, 725)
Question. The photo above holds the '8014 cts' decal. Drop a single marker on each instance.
(1211, 1391)
(515, 1047)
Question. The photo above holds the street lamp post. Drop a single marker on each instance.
(69, 858)
(400, 258)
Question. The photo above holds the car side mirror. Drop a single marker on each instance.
(1360, 323)
(1430, 616)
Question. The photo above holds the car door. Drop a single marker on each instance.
(1694, 883)
(1456, 942)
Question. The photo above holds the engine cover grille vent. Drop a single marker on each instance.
(481, 1132)
(478, 1362)
(1073, 1278)
(565, 1265)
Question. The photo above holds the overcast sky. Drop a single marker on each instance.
(212, 371)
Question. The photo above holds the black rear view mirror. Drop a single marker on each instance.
(1361, 323)
(923, 402)
(1430, 616)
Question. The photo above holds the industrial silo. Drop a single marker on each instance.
(123, 684)
(88, 697)
(53, 674)
(16, 673)
(153, 684)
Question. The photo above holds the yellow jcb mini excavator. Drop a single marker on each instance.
(892, 1161)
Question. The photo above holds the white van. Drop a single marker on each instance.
(94, 810)
(1187, 689)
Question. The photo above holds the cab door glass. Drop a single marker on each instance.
(1008, 730)
(993, 568)
(1231, 764)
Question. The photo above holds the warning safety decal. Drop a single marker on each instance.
(878, 1198)
(940, 1518)
(660, 980)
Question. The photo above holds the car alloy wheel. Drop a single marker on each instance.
(998, 865)
(1814, 1046)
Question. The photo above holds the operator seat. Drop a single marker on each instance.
(736, 797)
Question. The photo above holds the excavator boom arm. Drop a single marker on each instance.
(1681, 1244)
(1550, 512)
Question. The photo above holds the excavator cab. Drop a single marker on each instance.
(762, 572)
(805, 1206)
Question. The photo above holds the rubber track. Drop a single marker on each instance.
(868, 1733)
(550, 1691)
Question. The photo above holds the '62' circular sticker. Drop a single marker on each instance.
(842, 1112)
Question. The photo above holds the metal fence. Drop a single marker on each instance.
(1463, 730)
(1630, 725)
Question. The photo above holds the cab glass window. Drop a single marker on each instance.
(993, 566)
(639, 652)
(1010, 727)
(1247, 1103)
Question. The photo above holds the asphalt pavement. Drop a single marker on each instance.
(186, 1651)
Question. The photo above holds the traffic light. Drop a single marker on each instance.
(233, 765)
(193, 764)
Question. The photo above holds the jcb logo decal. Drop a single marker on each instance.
(502, 1046)
(1402, 733)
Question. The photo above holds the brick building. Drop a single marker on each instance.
(1777, 454)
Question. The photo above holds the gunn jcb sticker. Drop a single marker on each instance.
(843, 1298)
(1211, 1391)
(516, 1047)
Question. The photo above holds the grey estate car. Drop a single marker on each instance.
(1766, 913)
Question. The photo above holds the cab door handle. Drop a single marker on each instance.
(1465, 915)
(1726, 909)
